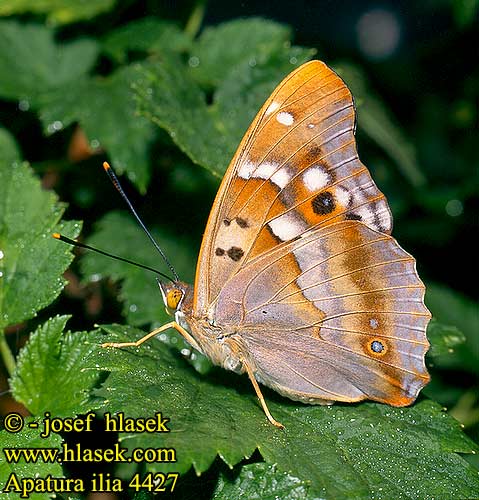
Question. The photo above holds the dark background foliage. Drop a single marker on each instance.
(412, 67)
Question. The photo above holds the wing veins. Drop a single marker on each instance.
(366, 243)
(283, 137)
(314, 384)
(369, 334)
(333, 278)
(362, 355)
(349, 313)
(352, 294)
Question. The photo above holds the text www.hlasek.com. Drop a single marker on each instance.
(77, 454)
(153, 482)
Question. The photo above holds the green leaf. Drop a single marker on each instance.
(57, 11)
(377, 122)
(260, 481)
(105, 109)
(9, 151)
(53, 355)
(168, 96)
(346, 451)
(27, 438)
(209, 135)
(149, 35)
(221, 48)
(444, 338)
(31, 261)
(453, 308)
(34, 63)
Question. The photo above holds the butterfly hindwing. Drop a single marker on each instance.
(336, 314)
(297, 169)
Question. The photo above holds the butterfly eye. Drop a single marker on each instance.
(173, 298)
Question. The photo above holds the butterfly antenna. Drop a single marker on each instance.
(75, 243)
(116, 183)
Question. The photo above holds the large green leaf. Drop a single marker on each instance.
(148, 35)
(105, 109)
(48, 368)
(31, 261)
(34, 63)
(346, 451)
(168, 96)
(57, 11)
(27, 438)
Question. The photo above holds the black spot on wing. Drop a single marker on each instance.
(352, 216)
(241, 222)
(235, 253)
(323, 203)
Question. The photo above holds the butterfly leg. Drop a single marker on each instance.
(250, 373)
(171, 324)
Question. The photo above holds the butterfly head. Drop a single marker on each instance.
(174, 293)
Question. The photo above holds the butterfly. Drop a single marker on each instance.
(299, 283)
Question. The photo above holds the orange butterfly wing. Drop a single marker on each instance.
(296, 169)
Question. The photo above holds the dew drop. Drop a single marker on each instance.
(194, 61)
(454, 208)
(94, 143)
(133, 308)
(23, 105)
(2, 255)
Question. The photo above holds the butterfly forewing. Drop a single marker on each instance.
(296, 169)
(338, 314)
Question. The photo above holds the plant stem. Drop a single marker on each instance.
(193, 24)
(6, 354)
